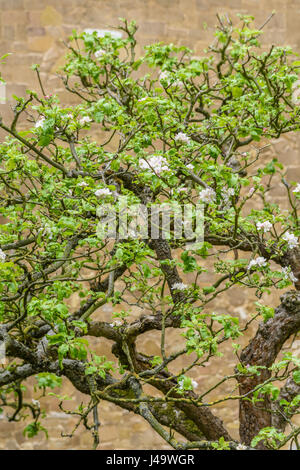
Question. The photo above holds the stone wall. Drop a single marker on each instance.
(33, 31)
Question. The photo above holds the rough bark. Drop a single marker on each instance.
(208, 423)
(288, 393)
(262, 351)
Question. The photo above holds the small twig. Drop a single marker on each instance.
(267, 20)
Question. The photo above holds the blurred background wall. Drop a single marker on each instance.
(33, 31)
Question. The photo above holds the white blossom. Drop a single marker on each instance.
(103, 32)
(260, 261)
(178, 83)
(102, 192)
(251, 191)
(182, 137)
(179, 286)
(99, 53)
(164, 76)
(297, 189)
(36, 403)
(156, 163)
(84, 120)
(116, 323)
(2, 256)
(47, 230)
(180, 383)
(190, 166)
(207, 195)
(82, 184)
(227, 193)
(288, 274)
(241, 447)
(40, 122)
(195, 384)
(230, 192)
(265, 226)
(291, 239)
(292, 277)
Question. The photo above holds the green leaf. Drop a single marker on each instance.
(296, 376)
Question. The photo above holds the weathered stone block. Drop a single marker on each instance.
(40, 43)
(51, 17)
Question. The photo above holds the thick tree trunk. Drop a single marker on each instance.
(262, 351)
(288, 392)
